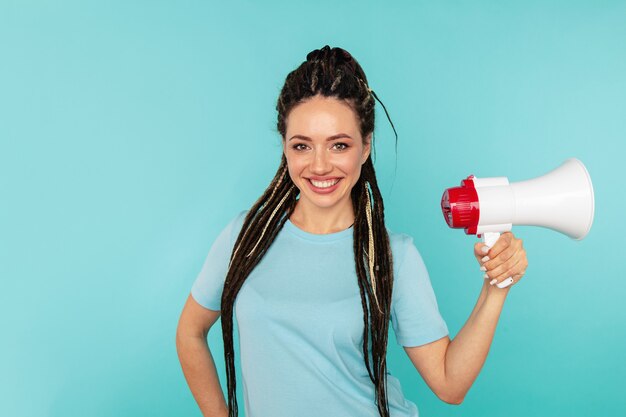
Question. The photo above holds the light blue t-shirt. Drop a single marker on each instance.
(300, 322)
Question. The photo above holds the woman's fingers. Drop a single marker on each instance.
(504, 255)
(504, 241)
(480, 251)
(507, 258)
(515, 267)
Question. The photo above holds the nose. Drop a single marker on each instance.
(321, 163)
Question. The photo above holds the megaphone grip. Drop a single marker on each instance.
(505, 283)
(490, 239)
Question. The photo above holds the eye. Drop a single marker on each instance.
(341, 146)
(297, 146)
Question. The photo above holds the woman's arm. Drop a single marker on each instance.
(467, 352)
(196, 359)
(450, 367)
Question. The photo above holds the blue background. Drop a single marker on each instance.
(133, 131)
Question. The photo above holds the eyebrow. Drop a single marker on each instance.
(333, 137)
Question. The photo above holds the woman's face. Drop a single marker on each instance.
(324, 151)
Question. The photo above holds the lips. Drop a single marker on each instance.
(324, 186)
(324, 183)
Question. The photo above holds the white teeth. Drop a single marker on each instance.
(324, 184)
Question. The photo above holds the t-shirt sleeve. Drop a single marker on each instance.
(415, 315)
(209, 283)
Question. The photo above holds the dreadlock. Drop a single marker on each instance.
(332, 73)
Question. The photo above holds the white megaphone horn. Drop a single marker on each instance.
(561, 200)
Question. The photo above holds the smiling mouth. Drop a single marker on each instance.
(324, 184)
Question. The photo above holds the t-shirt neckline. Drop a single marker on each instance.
(326, 237)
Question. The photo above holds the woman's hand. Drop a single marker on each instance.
(507, 258)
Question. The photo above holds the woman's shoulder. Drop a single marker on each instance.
(403, 247)
(241, 215)
(398, 239)
(238, 220)
(234, 225)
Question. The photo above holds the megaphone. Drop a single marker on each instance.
(561, 200)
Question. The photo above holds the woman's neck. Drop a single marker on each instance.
(320, 221)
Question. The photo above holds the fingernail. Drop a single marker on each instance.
(485, 249)
(493, 281)
(485, 276)
(485, 258)
(482, 268)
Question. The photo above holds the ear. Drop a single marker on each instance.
(366, 148)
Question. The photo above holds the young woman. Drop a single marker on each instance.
(314, 276)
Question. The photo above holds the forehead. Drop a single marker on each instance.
(322, 116)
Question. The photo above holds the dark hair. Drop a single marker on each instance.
(332, 72)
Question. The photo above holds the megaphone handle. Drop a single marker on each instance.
(490, 239)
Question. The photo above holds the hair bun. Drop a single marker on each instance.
(319, 54)
(338, 56)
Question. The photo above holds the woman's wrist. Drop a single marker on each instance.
(492, 291)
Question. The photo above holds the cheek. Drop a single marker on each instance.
(294, 169)
(295, 164)
(351, 165)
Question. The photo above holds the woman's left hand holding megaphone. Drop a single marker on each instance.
(505, 259)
